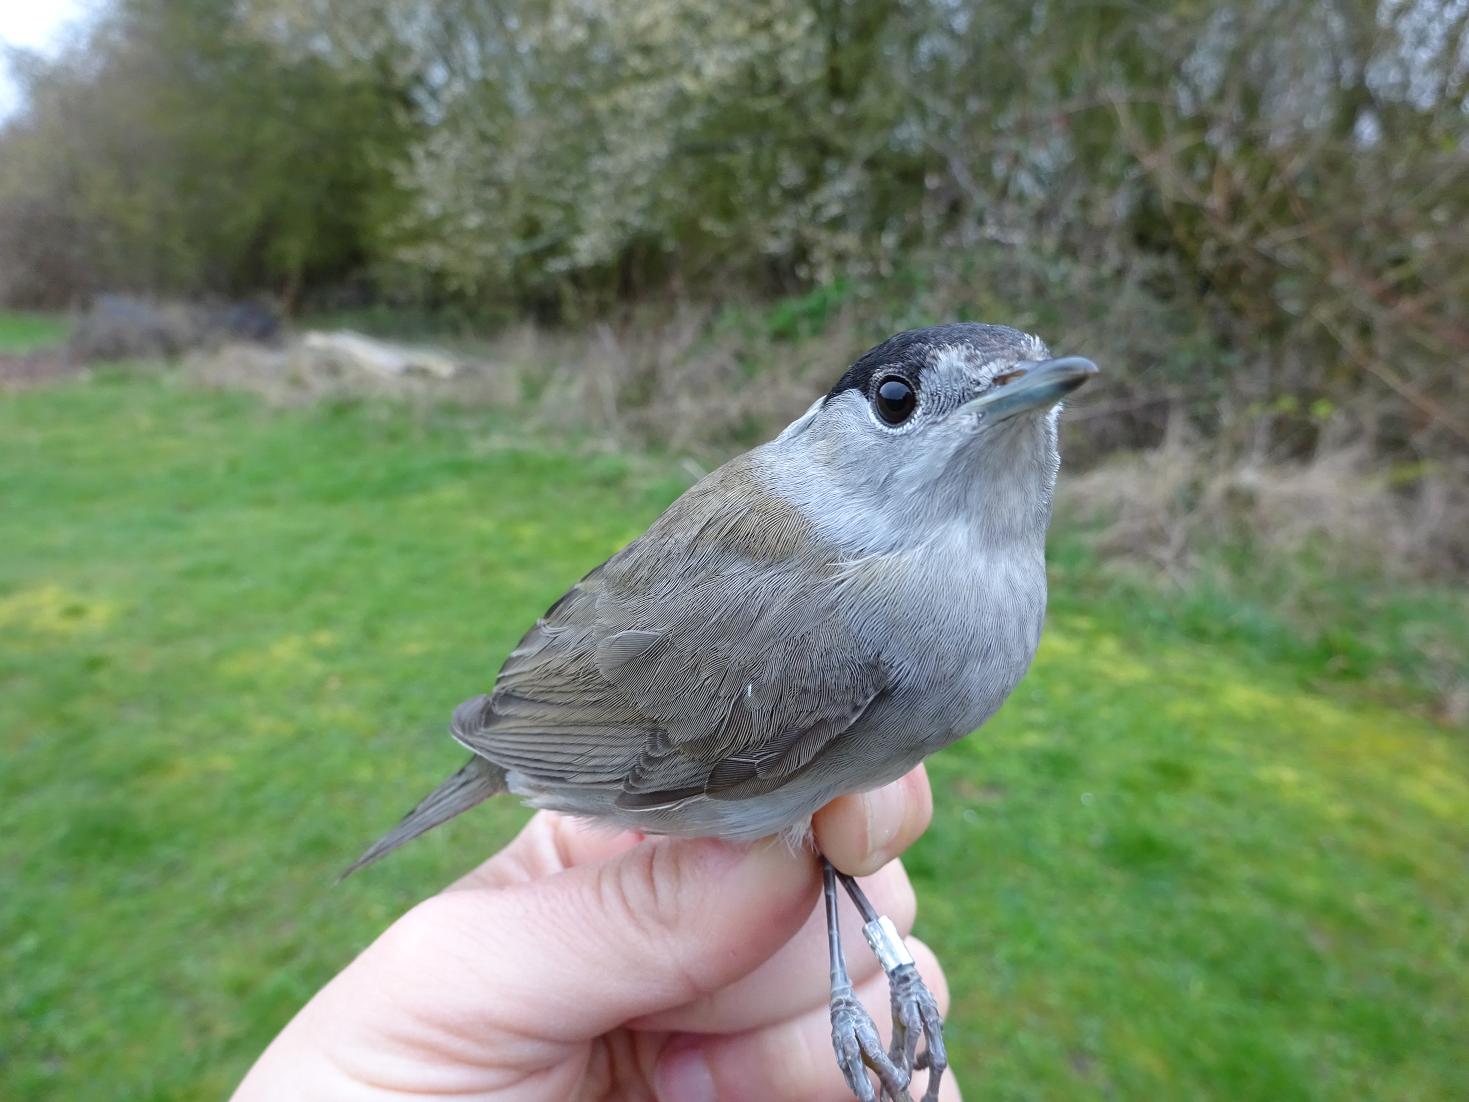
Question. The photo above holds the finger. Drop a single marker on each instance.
(548, 844)
(861, 833)
(789, 1060)
(797, 977)
(582, 951)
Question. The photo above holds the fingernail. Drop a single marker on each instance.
(884, 809)
(683, 1075)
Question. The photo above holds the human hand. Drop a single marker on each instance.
(577, 964)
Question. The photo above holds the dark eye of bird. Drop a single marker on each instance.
(895, 400)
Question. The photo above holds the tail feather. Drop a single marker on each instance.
(476, 782)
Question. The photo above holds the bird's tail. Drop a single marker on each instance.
(476, 782)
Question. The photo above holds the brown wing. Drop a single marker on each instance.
(714, 664)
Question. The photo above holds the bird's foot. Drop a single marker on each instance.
(916, 1014)
(915, 1010)
(859, 1050)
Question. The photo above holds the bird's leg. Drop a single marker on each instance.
(853, 1033)
(915, 1011)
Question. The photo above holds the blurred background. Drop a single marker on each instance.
(337, 337)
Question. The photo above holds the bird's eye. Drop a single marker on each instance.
(895, 400)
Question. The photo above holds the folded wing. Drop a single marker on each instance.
(714, 665)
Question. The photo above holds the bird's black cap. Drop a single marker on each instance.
(910, 351)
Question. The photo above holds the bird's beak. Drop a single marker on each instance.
(1030, 385)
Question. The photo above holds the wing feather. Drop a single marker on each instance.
(716, 666)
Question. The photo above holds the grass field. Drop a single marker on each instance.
(1172, 868)
(22, 332)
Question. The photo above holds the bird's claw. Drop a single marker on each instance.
(859, 1050)
(916, 1014)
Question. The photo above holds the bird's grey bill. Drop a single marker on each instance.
(1031, 385)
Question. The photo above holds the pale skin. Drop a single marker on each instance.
(579, 964)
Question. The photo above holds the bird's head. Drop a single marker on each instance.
(954, 423)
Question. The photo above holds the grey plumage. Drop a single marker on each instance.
(813, 618)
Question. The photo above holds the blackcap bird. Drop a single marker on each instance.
(814, 618)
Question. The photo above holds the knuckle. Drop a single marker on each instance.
(620, 891)
(667, 886)
(420, 935)
(650, 887)
(646, 892)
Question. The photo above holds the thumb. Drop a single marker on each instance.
(653, 928)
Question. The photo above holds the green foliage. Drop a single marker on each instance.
(174, 151)
(22, 332)
(1289, 172)
(809, 314)
(1173, 867)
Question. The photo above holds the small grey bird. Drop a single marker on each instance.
(813, 618)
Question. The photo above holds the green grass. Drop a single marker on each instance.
(22, 332)
(1401, 641)
(1174, 867)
